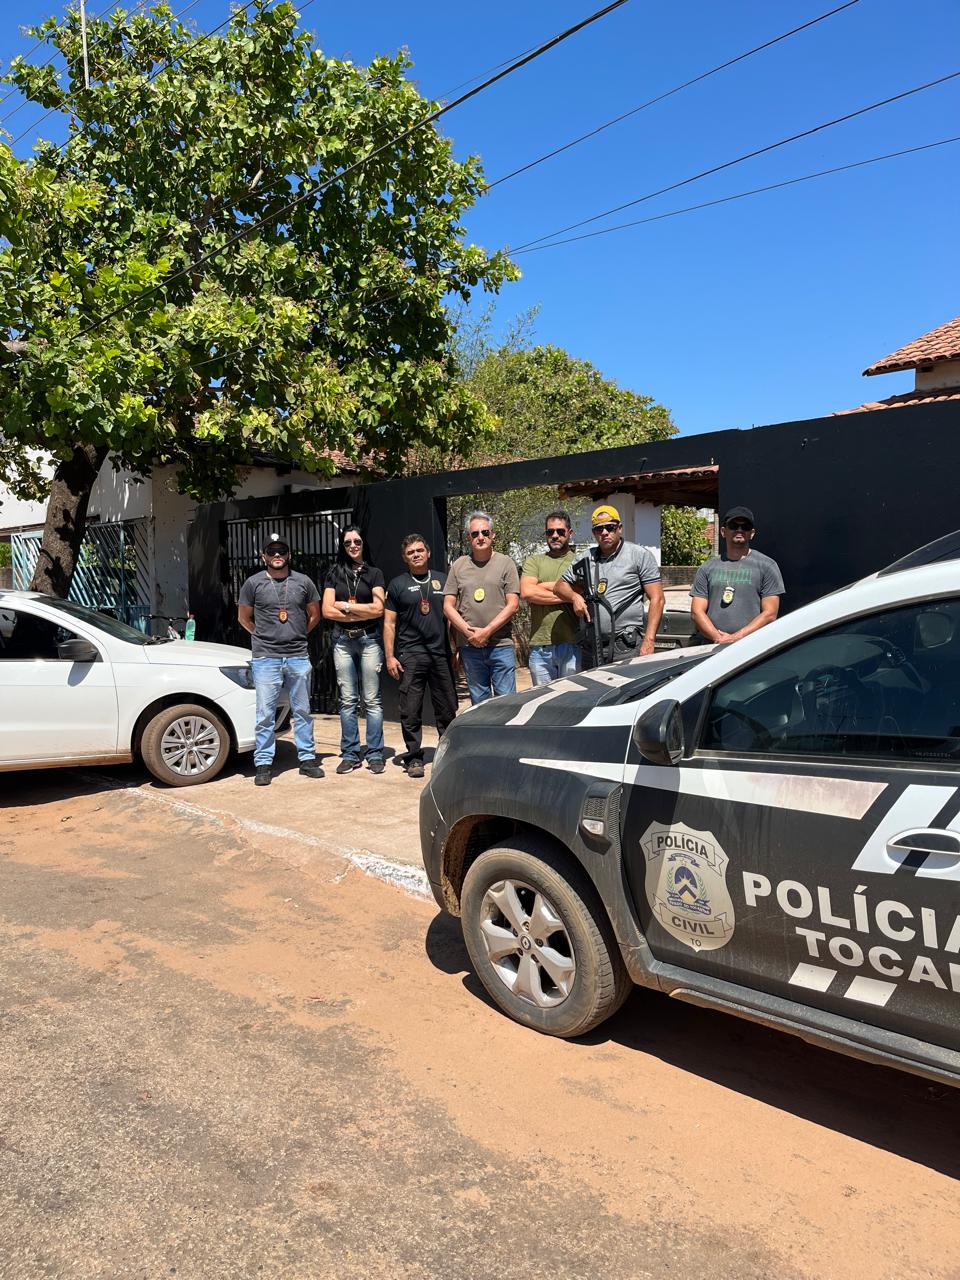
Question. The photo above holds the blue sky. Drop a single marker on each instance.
(760, 311)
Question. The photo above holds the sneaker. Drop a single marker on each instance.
(310, 769)
(375, 765)
(348, 766)
(415, 769)
(263, 776)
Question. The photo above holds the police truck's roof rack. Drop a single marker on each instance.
(945, 548)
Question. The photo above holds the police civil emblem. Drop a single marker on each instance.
(686, 885)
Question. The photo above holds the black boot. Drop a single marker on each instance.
(263, 777)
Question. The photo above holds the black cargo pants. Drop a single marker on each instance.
(420, 672)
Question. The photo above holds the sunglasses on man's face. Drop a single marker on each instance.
(479, 533)
(738, 526)
(557, 533)
(610, 527)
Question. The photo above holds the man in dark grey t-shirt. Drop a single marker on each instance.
(739, 591)
(280, 608)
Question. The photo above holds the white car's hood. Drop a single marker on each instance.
(196, 653)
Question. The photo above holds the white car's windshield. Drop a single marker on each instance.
(112, 626)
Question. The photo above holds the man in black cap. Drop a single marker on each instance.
(280, 607)
(738, 591)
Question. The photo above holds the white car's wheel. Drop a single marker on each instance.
(185, 745)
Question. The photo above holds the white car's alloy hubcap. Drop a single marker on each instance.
(190, 745)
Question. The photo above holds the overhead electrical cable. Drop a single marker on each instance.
(662, 97)
(729, 164)
(741, 195)
(659, 217)
(318, 190)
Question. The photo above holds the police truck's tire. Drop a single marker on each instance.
(528, 890)
(184, 745)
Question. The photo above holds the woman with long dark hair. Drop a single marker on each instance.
(353, 595)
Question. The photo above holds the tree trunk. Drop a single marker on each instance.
(66, 520)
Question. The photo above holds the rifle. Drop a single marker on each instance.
(597, 600)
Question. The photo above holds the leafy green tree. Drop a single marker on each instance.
(683, 536)
(324, 328)
(542, 403)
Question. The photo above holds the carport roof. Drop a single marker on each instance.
(680, 486)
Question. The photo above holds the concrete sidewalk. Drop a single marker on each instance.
(370, 821)
(353, 813)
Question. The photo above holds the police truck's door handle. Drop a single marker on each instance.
(935, 843)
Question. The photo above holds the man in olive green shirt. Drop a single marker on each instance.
(553, 651)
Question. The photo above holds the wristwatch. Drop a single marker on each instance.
(346, 606)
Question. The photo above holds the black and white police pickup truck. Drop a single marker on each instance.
(770, 828)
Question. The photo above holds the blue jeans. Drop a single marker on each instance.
(358, 662)
(490, 671)
(551, 661)
(270, 675)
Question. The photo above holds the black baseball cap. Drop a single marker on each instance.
(276, 541)
(738, 513)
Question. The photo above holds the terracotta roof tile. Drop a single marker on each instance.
(938, 344)
(908, 397)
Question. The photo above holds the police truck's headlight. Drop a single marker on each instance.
(243, 676)
(441, 751)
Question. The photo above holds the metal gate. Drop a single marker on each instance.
(112, 571)
(313, 539)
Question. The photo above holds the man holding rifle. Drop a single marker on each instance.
(606, 587)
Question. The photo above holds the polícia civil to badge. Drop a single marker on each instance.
(728, 594)
(479, 594)
(686, 885)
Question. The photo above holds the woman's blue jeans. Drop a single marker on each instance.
(358, 661)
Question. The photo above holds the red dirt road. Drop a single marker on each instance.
(226, 1057)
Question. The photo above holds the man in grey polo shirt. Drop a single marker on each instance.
(738, 591)
(624, 576)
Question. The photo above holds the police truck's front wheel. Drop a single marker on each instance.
(540, 941)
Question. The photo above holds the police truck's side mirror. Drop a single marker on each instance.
(658, 733)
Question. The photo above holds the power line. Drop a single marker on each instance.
(480, 74)
(357, 164)
(659, 217)
(662, 97)
(729, 164)
(742, 195)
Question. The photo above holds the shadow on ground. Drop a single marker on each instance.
(888, 1109)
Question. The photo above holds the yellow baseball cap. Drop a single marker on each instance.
(602, 514)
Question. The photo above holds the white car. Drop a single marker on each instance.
(78, 687)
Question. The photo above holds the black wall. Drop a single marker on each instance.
(834, 498)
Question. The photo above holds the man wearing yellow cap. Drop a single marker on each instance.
(607, 586)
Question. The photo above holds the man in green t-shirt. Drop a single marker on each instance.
(553, 627)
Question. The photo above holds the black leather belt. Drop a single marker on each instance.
(351, 633)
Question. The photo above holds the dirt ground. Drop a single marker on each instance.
(228, 1052)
